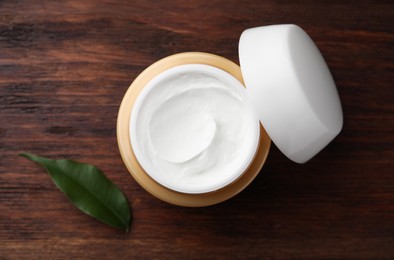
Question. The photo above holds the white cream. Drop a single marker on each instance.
(193, 129)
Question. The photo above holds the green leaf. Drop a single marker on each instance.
(88, 189)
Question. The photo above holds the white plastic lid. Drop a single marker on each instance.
(291, 88)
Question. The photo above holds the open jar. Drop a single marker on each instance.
(189, 131)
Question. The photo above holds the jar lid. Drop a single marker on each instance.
(291, 89)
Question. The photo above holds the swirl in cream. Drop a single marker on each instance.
(195, 131)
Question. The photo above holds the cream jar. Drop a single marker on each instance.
(191, 134)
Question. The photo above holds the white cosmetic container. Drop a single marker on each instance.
(289, 97)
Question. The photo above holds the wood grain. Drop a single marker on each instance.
(64, 68)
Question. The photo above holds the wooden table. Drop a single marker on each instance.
(64, 68)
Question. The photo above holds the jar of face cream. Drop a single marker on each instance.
(191, 134)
